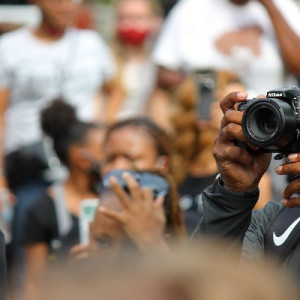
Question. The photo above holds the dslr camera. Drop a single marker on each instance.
(273, 123)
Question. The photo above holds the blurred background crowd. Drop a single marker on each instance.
(89, 88)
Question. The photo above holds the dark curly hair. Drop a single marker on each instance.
(59, 122)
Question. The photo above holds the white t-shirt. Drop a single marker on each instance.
(187, 41)
(73, 68)
(139, 79)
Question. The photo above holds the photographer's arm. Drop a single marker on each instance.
(288, 39)
(228, 204)
(226, 214)
(241, 170)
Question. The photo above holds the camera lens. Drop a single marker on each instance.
(262, 122)
(269, 123)
(266, 122)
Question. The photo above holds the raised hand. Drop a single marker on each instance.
(241, 170)
(290, 195)
(142, 218)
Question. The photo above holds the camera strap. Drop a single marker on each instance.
(283, 234)
(64, 219)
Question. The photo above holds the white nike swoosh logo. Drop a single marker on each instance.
(279, 240)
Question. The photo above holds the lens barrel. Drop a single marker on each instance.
(269, 123)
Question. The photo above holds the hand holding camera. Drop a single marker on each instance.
(240, 169)
(272, 124)
(290, 195)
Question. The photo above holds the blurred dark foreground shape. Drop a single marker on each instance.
(203, 272)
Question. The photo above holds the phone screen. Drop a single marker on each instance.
(206, 85)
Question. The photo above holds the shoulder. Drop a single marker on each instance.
(88, 36)
(40, 221)
(14, 37)
(264, 216)
(183, 9)
(42, 208)
(271, 208)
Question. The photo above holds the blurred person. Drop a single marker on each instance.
(194, 165)
(258, 40)
(137, 24)
(167, 6)
(136, 144)
(3, 272)
(51, 224)
(140, 212)
(203, 272)
(37, 65)
(272, 231)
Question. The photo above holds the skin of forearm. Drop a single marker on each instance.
(4, 98)
(288, 40)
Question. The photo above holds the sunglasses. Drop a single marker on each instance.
(158, 184)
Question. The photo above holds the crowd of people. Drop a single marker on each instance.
(146, 124)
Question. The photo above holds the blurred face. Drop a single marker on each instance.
(108, 239)
(90, 155)
(58, 13)
(135, 21)
(94, 143)
(135, 13)
(129, 148)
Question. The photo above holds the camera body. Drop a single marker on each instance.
(273, 123)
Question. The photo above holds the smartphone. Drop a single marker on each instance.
(87, 210)
(206, 82)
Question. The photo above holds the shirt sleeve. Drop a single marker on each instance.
(4, 74)
(166, 51)
(253, 244)
(226, 214)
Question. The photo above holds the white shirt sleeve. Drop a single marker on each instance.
(166, 51)
(4, 75)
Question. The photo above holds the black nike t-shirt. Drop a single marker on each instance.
(41, 226)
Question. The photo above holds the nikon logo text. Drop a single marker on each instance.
(275, 94)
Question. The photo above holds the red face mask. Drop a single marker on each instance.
(132, 35)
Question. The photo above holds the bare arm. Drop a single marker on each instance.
(4, 98)
(114, 94)
(169, 78)
(35, 265)
(288, 40)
